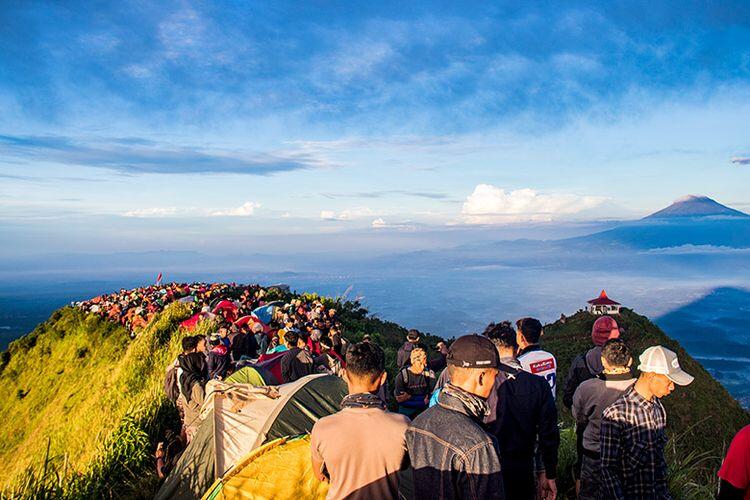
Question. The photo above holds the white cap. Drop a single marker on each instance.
(658, 359)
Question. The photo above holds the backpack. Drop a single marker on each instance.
(171, 384)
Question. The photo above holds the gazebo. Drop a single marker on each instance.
(603, 305)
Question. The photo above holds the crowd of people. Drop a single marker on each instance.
(283, 337)
(475, 420)
(490, 430)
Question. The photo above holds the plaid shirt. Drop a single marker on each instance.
(632, 449)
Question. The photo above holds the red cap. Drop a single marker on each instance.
(604, 328)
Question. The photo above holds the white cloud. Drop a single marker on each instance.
(152, 212)
(741, 160)
(379, 223)
(490, 204)
(348, 214)
(245, 210)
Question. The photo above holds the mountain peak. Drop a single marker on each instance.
(695, 206)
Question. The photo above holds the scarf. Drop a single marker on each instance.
(363, 400)
(476, 407)
(193, 372)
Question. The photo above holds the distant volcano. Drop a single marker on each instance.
(695, 206)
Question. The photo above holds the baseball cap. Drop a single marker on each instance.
(604, 328)
(658, 359)
(473, 351)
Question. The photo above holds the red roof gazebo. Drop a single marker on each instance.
(604, 305)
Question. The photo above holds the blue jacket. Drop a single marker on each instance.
(451, 456)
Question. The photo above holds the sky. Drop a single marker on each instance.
(358, 126)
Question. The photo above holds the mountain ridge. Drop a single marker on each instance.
(101, 375)
(695, 206)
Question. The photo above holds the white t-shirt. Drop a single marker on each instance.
(541, 363)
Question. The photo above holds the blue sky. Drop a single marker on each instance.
(211, 125)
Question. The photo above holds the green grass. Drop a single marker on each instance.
(93, 406)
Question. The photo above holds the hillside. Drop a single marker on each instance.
(83, 406)
(702, 417)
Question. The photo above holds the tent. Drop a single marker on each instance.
(278, 470)
(229, 433)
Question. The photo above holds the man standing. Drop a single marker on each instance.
(530, 354)
(633, 434)
(361, 449)
(584, 367)
(403, 357)
(734, 475)
(296, 362)
(414, 385)
(590, 400)
(523, 413)
(452, 457)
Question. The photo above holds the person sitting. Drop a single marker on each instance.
(589, 401)
(217, 360)
(359, 463)
(414, 385)
(451, 455)
(297, 362)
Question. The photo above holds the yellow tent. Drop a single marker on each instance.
(279, 470)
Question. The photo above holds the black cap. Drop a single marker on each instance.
(473, 351)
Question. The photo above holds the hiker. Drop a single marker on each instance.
(245, 346)
(632, 436)
(313, 342)
(451, 455)
(530, 354)
(192, 389)
(217, 360)
(403, 357)
(172, 376)
(297, 362)
(438, 364)
(590, 400)
(328, 361)
(261, 339)
(585, 366)
(734, 475)
(522, 414)
(414, 384)
(361, 449)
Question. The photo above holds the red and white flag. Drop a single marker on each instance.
(158, 279)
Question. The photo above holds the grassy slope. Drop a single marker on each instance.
(702, 417)
(94, 393)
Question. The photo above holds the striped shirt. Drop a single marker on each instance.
(632, 449)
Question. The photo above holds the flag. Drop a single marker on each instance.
(158, 279)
